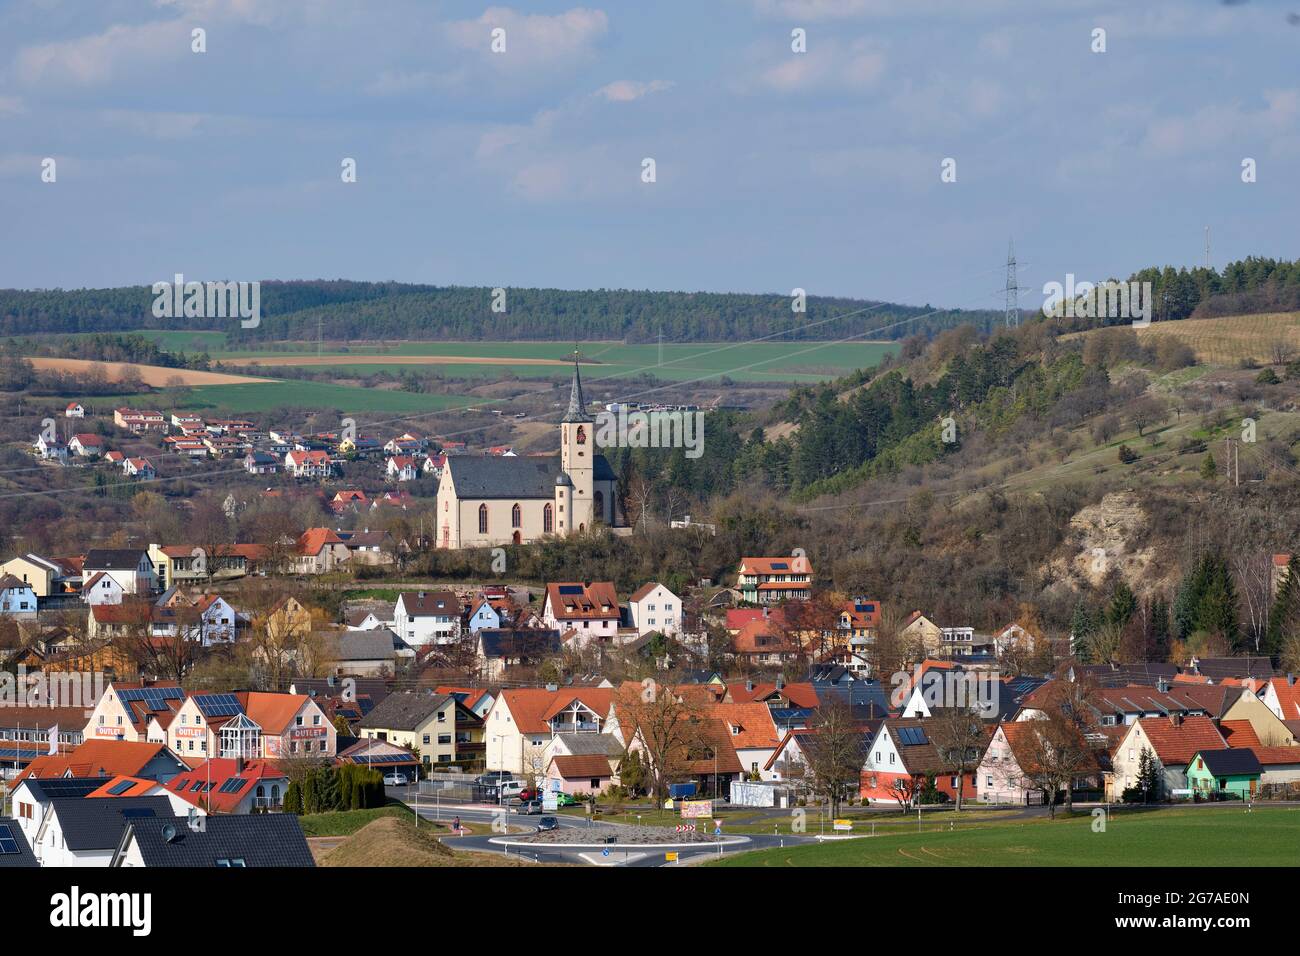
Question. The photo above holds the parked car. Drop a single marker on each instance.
(493, 778)
(547, 823)
(530, 807)
(565, 800)
(508, 789)
(529, 793)
(395, 779)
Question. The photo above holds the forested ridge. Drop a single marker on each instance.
(370, 311)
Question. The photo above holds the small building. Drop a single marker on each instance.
(17, 599)
(422, 722)
(655, 609)
(1233, 770)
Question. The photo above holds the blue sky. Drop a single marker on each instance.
(774, 169)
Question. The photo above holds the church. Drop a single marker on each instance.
(488, 500)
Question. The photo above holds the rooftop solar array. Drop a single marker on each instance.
(137, 812)
(912, 736)
(153, 698)
(233, 785)
(218, 705)
(780, 566)
(7, 842)
(571, 588)
(120, 788)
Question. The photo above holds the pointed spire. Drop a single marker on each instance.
(577, 411)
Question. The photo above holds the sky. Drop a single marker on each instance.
(773, 169)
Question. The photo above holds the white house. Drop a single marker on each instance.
(100, 588)
(86, 445)
(84, 832)
(130, 567)
(17, 599)
(139, 468)
(307, 464)
(217, 620)
(427, 617)
(590, 610)
(75, 410)
(655, 608)
(51, 448)
(402, 468)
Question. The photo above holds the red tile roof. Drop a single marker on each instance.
(1177, 742)
(596, 601)
(98, 758)
(217, 771)
(582, 766)
(1239, 733)
(313, 540)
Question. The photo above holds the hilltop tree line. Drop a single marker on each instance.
(346, 311)
(1251, 285)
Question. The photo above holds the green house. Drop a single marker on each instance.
(1235, 770)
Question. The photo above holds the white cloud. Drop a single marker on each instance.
(11, 106)
(828, 65)
(1222, 123)
(97, 59)
(625, 91)
(532, 39)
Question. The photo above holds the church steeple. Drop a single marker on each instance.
(577, 411)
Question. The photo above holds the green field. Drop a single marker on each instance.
(742, 362)
(263, 396)
(1209, 836)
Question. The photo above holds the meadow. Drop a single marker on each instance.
(744, 362)
(1200, 837)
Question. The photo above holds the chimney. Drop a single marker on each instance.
(780, 683)
(1162, 685)
(749, 685)
(1290, 680)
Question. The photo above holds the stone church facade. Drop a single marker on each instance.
(488, 500)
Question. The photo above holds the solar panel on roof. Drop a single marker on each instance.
(780, 566)
(233, 785)
(570, 588)
(218, 705)
(120, 788)
(138, 812)
(7, 842)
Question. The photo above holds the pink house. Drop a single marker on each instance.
(580, 773)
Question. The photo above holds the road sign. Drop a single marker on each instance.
(670, 857)
(846, 825)
(550, 802)
(717, 831)
(605, 852)
(686, 828)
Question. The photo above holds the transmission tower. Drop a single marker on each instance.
(1013, 290)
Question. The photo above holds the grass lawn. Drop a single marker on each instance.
(345, 822)
(1211, 836)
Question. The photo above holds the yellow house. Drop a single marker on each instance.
(288, 617)
(34, 570)
(419, 721)
(921, 628)
(1271, 731)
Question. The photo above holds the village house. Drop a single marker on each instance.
(319, 551)
(46, 576)
(422, 722)
(308, 464)
(772, 580)
(653, 608)
(124, 710)
(75, 410)
(129, 567)
(521, 723)
(402, 468)
(17, 599)
(590, 610)
(427, 617)
(230, 785)
(86, 445)
(1172, 741)
(139, 421)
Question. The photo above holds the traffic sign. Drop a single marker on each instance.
(686, 828)
(670, 857)
(844, 825)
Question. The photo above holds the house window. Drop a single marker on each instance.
(482, 519)
(595, 783)
(988, 781)
(548, 520)
(426, 738)
(516, 517)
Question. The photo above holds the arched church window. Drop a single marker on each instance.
(482, 519)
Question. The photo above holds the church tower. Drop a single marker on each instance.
(578, 455)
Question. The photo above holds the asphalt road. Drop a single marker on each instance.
(619, 854)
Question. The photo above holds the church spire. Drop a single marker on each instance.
(577, 411)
